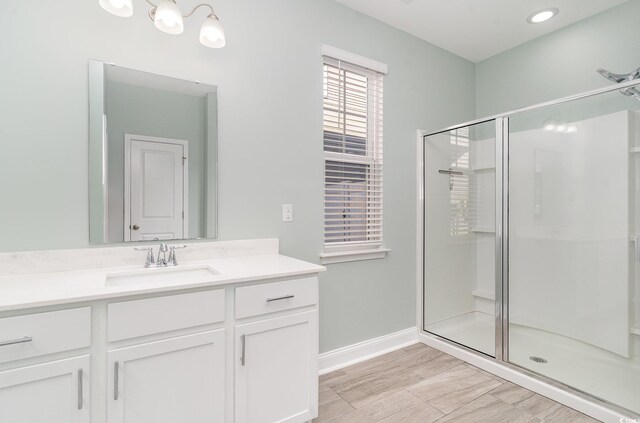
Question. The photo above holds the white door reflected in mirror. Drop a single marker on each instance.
(156, 197)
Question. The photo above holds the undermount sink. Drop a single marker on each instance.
(162, 276)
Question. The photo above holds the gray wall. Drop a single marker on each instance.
(269, 80)
(137, 110)
(562, 63)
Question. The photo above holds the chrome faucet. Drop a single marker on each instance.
(162, 255)
(162, 260)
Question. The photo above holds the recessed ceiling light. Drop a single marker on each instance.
(542, 15)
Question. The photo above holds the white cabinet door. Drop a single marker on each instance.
(176, 380)
(54, 392)
(277, 369)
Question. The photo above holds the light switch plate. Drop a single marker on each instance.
(287, 212)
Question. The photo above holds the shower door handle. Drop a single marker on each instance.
(451, 172)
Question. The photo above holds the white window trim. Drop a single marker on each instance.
(355, 59)
(344, 254)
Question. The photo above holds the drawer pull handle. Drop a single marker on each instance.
(16, 341)
(243, 338)
(116, 382)
(286, 297)
(80, 389)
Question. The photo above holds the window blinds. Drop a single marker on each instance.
(352, 115)
(460, 197)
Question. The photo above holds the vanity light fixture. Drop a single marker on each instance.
(122, 8)
(542, 15)
(166, 16)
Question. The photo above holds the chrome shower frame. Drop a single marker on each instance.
(501, 358)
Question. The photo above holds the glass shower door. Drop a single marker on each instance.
(574, 227)
(459, 244)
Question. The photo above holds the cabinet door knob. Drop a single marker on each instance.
(135, 227)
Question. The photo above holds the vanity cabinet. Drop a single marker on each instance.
(52, 392)
(244, 352)
(276, 371)
(174, 380)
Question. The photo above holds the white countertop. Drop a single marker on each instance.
(54, 288)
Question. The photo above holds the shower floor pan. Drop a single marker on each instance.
(582, 366)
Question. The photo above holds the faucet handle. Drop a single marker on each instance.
(149, 251)
(173, 260)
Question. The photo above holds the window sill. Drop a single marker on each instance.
(352, 255)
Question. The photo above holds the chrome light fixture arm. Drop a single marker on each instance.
(212, 14)
(152, 11)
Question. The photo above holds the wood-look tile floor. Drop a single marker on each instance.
(423, 385)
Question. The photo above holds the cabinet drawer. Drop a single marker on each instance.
(278, 296)
(38, 334)
(131, 319)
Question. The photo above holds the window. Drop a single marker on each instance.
(352, 135)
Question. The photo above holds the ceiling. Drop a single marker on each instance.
(477, 29)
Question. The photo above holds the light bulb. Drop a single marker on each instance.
(167, 18)
(122, 8)
(212, 33)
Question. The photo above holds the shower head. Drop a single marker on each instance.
(615, 77)
(619, 78)
(632, 92)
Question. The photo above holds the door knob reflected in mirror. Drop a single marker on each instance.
(135, 227)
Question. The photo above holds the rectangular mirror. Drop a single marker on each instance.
(152, 156)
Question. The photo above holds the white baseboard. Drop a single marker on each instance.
(352, 354)
(555, 393)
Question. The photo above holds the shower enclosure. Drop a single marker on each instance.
(531, 242)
